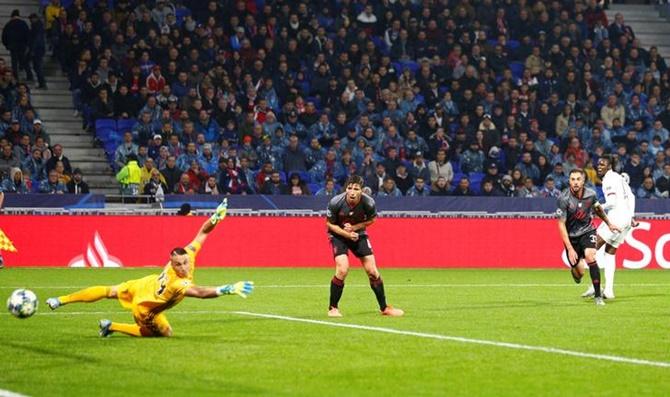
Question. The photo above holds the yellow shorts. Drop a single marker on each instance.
(156, 323)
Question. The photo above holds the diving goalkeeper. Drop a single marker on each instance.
(150, 296)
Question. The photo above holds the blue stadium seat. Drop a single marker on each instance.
(124, 125)
(106, 124)
(513, 44)
(476, 181)
(517, 69)
(314, 187)
(305, 176)
(457, 178)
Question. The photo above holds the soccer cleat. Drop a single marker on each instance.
(104, 328)
(599, 301)
(53, 303)
(334, 312)
(590, 293)
(392, 312)
(608, 294)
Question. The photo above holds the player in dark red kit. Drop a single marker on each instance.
(348, 215)
(575, 225)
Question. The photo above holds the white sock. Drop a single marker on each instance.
(610, 267)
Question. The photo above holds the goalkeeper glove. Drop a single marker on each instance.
(241, 288)
(220, 212)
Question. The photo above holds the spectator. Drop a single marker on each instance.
(549, 189)
(231, 178)
(38, 131)
(77, 185)
(37, 49)
(16, 183)
(463, 188)
(34, 165)
(126, 148)
(51, 185)
(294, 158)
(376, 180)
(389, 189)
(8, 159)
(648, 191)
(440, 167)
(210, 187)
(403, 180)
(57, 155)
(16, 38)
(297, 187)
(184, 185)
(488, 190)
(663, 181)
(419, 188)
(130, 176)
(440, 187)
(329, 190)
(472, 160)
(197, 175)
(156, 185)
(528, 190)
(274, 185)
(508, 188)
(527, 167)
(635, 171)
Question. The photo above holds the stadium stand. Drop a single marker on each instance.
(494, 77)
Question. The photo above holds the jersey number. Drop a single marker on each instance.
(593, 238)
(163, 281)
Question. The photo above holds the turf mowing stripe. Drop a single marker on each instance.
(537, 285)
(516, 346)
(8, 393)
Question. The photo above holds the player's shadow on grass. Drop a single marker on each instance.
(59, 353)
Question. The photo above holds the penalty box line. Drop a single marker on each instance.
(459, 339)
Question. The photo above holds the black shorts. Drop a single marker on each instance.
(581, 243)
(341, 246)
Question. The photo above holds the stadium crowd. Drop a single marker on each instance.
(441, 97)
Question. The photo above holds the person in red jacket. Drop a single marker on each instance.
(155, 81)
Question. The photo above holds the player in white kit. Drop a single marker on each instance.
(620, 208)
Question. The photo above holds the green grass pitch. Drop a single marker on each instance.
(217, 352)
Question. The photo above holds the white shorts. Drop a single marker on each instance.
(615, 239)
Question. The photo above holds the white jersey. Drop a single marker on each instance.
(619, 199)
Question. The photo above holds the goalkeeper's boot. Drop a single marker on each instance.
(334, 312)
(220, 212)
(607, 294)
(53, 303)
(600, 301)
(590, 293)
(392, 311)
(105, 330)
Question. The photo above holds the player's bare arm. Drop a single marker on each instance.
(342, 232)
(598, 209)
(358, 226)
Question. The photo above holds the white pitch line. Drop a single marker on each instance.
(516, 346)
(497, 285)
(9, 393)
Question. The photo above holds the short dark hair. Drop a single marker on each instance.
(578, 171)
(355, 180)
(178, 251)
(611, 160)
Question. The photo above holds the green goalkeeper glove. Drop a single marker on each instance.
(220, 212)
(241, 288)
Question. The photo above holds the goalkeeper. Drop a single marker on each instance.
(150, 296)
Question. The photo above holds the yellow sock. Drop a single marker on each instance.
(128, 329)
(90, 294)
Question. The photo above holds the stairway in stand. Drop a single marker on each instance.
(649, 27)
(56, 112)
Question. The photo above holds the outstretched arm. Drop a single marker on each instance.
(210, 224)
(240, 288)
